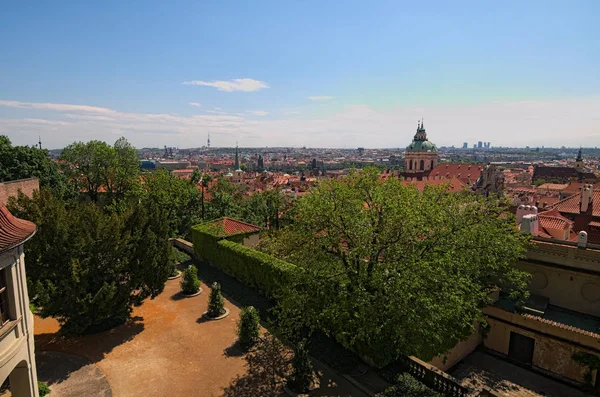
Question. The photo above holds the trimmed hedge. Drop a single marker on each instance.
(251, 267)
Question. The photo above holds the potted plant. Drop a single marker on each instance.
(216, 304)
(301, 379)
(190, 285)
(248, 327)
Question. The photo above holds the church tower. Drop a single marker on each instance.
(421, 156)
(579, 161)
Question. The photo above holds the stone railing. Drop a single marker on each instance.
(434, 378)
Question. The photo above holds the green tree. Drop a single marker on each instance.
(225, 200)
(20, 162)
(408, 386)
(389, 270)
(190, 283)
(96, 167)
(87, 267)
(216, 305)
(302, 369)
(179, 198)
(248, 327)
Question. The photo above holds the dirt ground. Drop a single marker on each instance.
(167, 349)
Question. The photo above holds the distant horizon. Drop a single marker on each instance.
(280, 74)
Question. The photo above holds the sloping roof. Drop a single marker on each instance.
(231, 227)
(13, 231)
(453, 184)
(467, 173)
(553, 186)
(543, 171)
(554, 220)
(571, 205)
(573, 188)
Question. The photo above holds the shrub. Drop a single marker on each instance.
(248, 327)
(190, 283)
(251, 267)
(216, 305)
(302, 372)
(43, 388)
(408, 386)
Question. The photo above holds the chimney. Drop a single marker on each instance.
(582, 239)
(523, 210)
(587, 193)
(530, 224)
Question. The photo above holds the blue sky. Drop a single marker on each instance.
(294, 73)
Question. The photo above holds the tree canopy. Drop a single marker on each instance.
(96, 167)
(20, 162)
(87, 267)
(389, 270)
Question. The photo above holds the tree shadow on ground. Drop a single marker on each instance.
(93, 347)
(268, 364)
(235, 350)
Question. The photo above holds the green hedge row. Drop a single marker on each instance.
(253, 268)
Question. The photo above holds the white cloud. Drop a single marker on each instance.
(257, 112)
(321, 98)
(246, 85)
(55, 106)
(290, 112)
(196, 104)
(568, 122)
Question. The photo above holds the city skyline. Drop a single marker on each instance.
(271, 74)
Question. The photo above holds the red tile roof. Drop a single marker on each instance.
(453, 184)
(571, 205)
(231, 227)
(467, 173)
(13, 231)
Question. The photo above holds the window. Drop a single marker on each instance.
(410, 165)
(422, 165)
(4, 311)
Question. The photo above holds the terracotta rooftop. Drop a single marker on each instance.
(571, 205)
(467, 173)
(13, 231)
(453, 184)
(231, 227)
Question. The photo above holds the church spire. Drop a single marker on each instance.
(237, 160)
(579, 156)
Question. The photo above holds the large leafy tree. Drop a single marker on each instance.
(96, 167)
(389, 270)
(178, 197)
(87, 267)
(20, 162)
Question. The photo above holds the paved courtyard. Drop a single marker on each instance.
(168, 350)
(480, 369)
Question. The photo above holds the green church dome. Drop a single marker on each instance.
(421, 146)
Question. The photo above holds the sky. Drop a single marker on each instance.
(300, 73)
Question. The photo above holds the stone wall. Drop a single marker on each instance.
(458, 352)
(565, 287)
(11, 188)
(555, 343)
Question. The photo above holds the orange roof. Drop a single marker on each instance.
(571, 205)
(573, 187)
(467, 173)
(13, 231)
(231, 227)
(453, 184)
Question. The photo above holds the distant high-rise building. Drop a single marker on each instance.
(489, 145)
(479, 145)
(465, 145)
(261, 164)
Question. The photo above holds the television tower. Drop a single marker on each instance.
(208, 141)
(40, 141)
